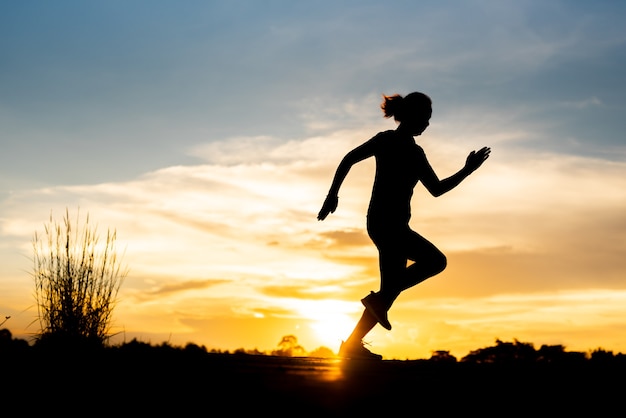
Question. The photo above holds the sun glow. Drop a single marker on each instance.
(331, 320)
(332, 331)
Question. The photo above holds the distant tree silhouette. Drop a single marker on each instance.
(503, 352)
(5, 336)
(550, 353)
(76, 282)
(442, 356)
(289, 347)
(600, 356)
(556, 354)
(323, 352)
(195, 348)
(8, 344)
(253, 352)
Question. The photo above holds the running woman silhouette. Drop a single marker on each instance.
(400, 165)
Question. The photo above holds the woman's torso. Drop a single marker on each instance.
(398, 163)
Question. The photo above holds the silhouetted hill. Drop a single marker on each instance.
(142, 379)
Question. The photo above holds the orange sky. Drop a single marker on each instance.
(232, 256)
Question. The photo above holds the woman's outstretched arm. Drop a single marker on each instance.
(438, 187)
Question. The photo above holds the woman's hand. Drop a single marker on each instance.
(476, 158)
(329, 206)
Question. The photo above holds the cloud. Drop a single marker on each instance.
(346, 238)
(584, 103)
(319, 290)
(169, 289)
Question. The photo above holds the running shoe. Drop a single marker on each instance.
(377, 308)
(357, 352)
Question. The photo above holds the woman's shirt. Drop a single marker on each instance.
(399, 164)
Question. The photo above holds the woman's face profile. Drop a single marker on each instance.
(418, 121)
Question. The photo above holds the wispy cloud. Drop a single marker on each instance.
(168, 289)
(584, 103)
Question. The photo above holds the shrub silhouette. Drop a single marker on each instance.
(322, 352)
(76, 282)
(10, 345)
(442, 356)
(517, 352)
(289, 347)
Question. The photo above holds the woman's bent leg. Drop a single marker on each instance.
(428, 261)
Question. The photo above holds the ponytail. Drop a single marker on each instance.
(391, 105)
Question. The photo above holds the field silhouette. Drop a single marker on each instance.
(136, 378)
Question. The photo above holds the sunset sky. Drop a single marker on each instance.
(206, 133)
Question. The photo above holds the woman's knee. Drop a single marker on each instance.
(441, 262)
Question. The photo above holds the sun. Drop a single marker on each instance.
(332, 331)
(333, 323)
(330, 321)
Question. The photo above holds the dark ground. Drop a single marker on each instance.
(162, 383)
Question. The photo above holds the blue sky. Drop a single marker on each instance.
(119, 88)
(198, 123)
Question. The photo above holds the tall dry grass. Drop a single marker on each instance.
(77, 278)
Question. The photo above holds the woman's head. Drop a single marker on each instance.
(401, 107)
(413, 110)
